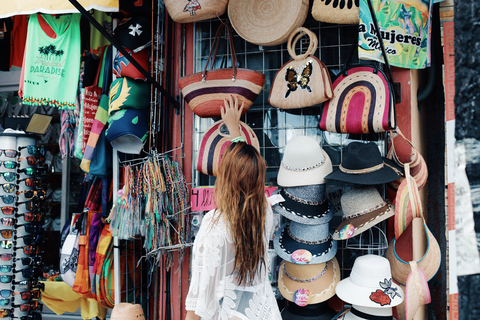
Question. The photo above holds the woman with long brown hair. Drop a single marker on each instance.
(229, 269)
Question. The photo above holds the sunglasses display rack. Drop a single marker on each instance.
(21, 217)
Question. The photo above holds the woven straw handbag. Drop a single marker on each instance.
(335, 11)
(205, 91)
(185, 11)
(303, 81)
(215, 142)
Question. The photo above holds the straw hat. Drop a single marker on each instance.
(304, 244)
(267, 22)
(308, 284)
(127, 311)
(417, 292)
(304, 163)
(362, 209)
(304, 204)
(429, 263)
(366, 313)
(362, 163)
(370, 284)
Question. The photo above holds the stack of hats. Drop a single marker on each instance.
(309, 273)
(130, 93)
(370, 290)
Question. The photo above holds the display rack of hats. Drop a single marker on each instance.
(22, 217)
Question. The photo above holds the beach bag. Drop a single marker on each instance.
(195, 10)
(303, 81)
(206, 91)
(335, 11)
(214, 143)
(69, 250)
(81, 284)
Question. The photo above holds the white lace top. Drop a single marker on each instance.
(214, 292)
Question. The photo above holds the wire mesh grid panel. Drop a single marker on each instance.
(275, 127)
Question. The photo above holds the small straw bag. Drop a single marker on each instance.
(205, 91)
(334, 11)
(185, 11)
(303, 81)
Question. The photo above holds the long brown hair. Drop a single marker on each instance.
(240, 197)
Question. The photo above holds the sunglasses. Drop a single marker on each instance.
(9, 153)
(29, 194)
(6, 244)
(31, 227)
(6, 256)
(30, 216)
(28, 261)
(30, 182)
(30, 272)
(31, 161)
(27, 295)
(8, 210)
(5, 313)
(30, 204)
(5, 269)
(33, 150)
(4, 302)
(33, 316)
(30, 240)
(6, 279)
(9, 176)
(9, 187)
(32, 171)
(6, 233)
(6, 293)
(8, 199)
(29, 250)
(27, 284)
(24, 307)
(8, 222)
(9, 164)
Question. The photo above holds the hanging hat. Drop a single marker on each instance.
(366, 313)
(363, 164)
(305, 204)
(304, 244)
(370, 284)
(362, 209)
(429, 263)
(304, 163)
(123, 68)
(134, 33)
(127, 311)
(128, 93)
(417, 292)
(267, 22)
(128, 130)
(308, 284)
(313, 311)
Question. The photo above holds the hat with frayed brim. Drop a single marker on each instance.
(316, 282)
(127, 311)
(370, 284)
(304, 163)
(363, 164)
(429, 263)
(362, 209)
(304, 204)
(304, 244)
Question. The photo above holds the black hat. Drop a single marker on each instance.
(363, 164)
(318, 311)
(134, 33)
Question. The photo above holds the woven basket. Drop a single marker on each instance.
(267, 22)
(334, 11)
(185, 11)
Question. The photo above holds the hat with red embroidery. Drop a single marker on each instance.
(370, 284)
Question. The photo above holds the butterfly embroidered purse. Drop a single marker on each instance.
(303, 81)
(185, 11)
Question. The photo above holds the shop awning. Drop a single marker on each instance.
(14, 7)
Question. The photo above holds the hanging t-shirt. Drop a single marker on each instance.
(52, 65)
(6, 26)
(405, 29)
(18, 40)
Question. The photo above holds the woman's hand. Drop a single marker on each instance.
(231, 114)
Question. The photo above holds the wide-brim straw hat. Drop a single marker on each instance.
(318, 281)
(315, 311)
(366, 313)
(417, 292)
(267, 22)
(304, 163)
(304, 244)
(429, 263)
(370, 284)
(304, 204)
(363, 164)
(362, 209)
(127, 311)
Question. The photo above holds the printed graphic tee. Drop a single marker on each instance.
(52, 65)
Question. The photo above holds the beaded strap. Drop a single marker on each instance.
(306, 280)
(305, 241)
(363, 212)
(307, 202)
(361, 171)
(303, 169)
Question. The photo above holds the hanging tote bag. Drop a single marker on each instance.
(215, 142)
(185, 11)
(69, 250)
(303, 81)
(205, 91)
(364, 99)
(334, 11)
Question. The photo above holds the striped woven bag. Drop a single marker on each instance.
(205, 91)
(215, 142)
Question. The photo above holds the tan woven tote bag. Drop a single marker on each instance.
(185, 11)
(336, 11)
